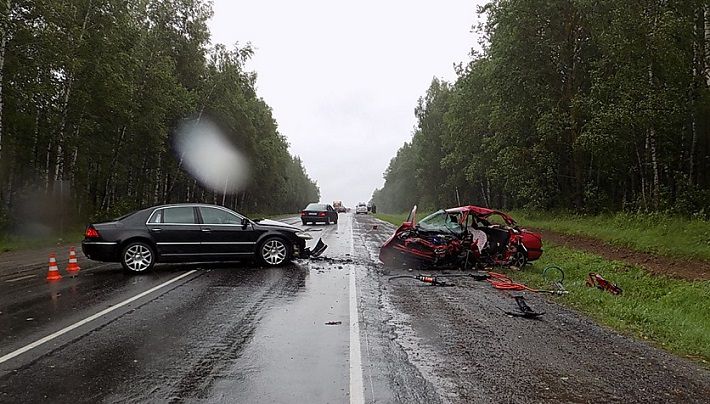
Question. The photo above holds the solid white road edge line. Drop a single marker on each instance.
(20, 278)
(90, 318)
(357, 393)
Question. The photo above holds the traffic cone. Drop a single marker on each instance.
(73, 266)
(53, 273)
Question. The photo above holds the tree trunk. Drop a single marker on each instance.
(3, 46)
(707, 44)
(59, 158)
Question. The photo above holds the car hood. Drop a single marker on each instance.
(274, 223)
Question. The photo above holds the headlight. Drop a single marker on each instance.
(304, 235)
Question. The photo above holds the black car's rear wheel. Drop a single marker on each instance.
(304, 222)
(274, 251)
(137, 257)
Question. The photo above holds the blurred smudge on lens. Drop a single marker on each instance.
(207, 155)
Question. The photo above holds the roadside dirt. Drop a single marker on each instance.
(674, 267)
(461, 341)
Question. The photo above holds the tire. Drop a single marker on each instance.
(274, 251)
(327, 221)
(138, 257)
(304, 222)
(519, 259)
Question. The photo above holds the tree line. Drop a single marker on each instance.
(584, 105)
(91, 92)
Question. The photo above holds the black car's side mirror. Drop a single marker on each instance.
(245, 222)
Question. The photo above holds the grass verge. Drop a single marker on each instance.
(670, 313)
(395, 219)
(13, 243)
(655, 233)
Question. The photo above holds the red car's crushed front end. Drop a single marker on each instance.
(446, 238)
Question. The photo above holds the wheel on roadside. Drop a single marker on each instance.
(519, 259)
(274, 251)
(137, 257)
(304, 222)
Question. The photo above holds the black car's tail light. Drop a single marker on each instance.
(91, 232)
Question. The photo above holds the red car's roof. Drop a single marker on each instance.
(481, 212)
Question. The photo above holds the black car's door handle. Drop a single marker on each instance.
(156, 229)
(207, 230)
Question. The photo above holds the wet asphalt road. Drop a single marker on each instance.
(217, 333)
(238, 333)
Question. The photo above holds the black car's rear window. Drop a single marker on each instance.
(315, 206)
(179, 215)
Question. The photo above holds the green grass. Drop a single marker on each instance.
(13, 243)
(655, 233)
(670, 313)
(395, 219)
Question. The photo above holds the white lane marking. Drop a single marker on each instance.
(357, 393)
(21, 278)
(90, 318)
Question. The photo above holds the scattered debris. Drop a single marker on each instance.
(524, 310)
(598, 281)
(333, 323)
(433, 280)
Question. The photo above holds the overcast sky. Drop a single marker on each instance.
(343, 77)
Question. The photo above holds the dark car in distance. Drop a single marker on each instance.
(319, 212)
(192, 233)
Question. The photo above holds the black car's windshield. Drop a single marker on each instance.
(441, 221)
(315, 206)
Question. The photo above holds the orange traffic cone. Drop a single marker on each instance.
(73, 266)
(53, 273)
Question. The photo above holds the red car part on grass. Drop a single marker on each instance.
(446, 238)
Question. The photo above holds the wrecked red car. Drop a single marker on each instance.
(463, 237)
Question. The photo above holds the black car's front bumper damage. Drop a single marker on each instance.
(316, 251)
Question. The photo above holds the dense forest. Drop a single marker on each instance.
(583, 105)
(91, 92)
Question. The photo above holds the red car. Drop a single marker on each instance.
(466, 236)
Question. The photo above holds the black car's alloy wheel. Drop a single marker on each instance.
(274, 252)
(137, 257)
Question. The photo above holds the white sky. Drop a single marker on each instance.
(343, 77)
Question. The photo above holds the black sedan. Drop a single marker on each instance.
(319, 212)
(193, 233)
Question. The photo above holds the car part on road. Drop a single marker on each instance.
(316, 251)
(524, 310)
(432, 280)
(137, 257)
(598, 281)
